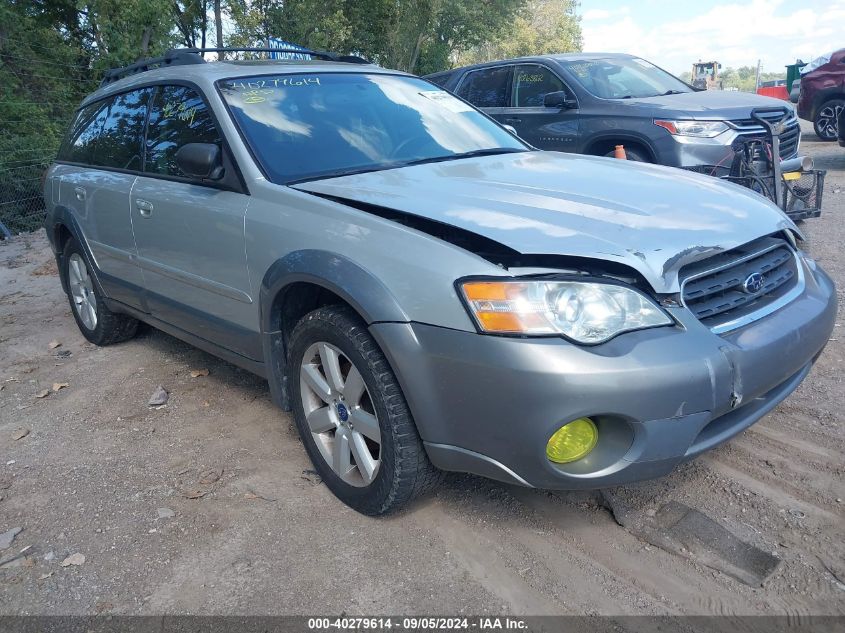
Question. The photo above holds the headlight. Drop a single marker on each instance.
(586, 312)
(701, 129)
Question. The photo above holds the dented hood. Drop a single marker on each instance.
(651, 218)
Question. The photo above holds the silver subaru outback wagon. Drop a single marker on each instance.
(422, 289)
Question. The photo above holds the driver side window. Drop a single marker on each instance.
(178, 116)
(531, 83)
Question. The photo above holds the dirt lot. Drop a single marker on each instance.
(103, 475)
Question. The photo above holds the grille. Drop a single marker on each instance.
(789, 138)
(714, 290)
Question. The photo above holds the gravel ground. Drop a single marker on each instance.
(103, 475)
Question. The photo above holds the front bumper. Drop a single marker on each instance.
(487, 404)
(689, 151)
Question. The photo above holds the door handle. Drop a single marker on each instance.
(80, 193)
(145, 208)
(513, 120)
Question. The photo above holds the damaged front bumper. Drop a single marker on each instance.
(488, 405)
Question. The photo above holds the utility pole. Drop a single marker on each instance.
(756, 78)
(218, 22)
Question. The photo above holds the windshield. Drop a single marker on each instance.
(310, 126)
(624, 78)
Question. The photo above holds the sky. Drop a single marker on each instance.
(673, 35)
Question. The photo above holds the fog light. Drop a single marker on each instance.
(572, 441)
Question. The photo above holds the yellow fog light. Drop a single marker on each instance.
(572, 441)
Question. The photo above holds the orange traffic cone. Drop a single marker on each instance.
(619, 152)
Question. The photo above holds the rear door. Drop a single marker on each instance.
(104, 148)
(555, 129)
(489, 90)
(190, 235)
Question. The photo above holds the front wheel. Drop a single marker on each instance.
(632, 154)
(825, 123)
(352, 416)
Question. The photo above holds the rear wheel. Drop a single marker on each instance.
(352, 416)
(97, 323)
(825, 123)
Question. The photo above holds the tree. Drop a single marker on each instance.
(218, 25)
(428, 34)
(416, 35)
(191, 21)
(543, 26)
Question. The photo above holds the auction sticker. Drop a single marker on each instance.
(446, 100)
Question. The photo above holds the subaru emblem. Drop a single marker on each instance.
(753, 283)
(342, 412)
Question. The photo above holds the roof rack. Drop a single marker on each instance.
(190, 56)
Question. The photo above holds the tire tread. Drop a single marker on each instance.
(414, 474)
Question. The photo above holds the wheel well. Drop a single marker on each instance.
(63, 234)
(297, 300)
(825, 98)
(820, 99)
(289, 305)
(603, 146)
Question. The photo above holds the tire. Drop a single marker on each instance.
(635, 155)
(97, 323)
(374, 477)
(825, 123)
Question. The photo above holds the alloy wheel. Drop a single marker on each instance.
(826, 121)
(82, 291)
(340, 414)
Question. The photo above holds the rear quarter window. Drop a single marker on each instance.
(78, 146)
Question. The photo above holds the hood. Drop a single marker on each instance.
(710, 104)
(653, 219)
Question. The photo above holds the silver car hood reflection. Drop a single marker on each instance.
(651, 218)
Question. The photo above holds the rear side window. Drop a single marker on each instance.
(532, 83)
(486, 88)
(178, 116)
(121, 140)
(82, 138)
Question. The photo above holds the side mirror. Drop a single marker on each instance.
(559, 99)
(200, 160)
(511, 129)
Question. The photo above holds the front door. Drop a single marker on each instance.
(190, 235)
(554, 129)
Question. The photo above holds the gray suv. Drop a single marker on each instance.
(590, 102)
(423, 290)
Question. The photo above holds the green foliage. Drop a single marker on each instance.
(744, 77)
(420, 36)
(430, 32)
(541, 27)
(53, 52)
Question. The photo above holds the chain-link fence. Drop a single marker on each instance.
(21, 198)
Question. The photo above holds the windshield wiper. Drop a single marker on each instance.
(490, 151)
(673, 92)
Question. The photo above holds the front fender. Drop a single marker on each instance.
(361, 289)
